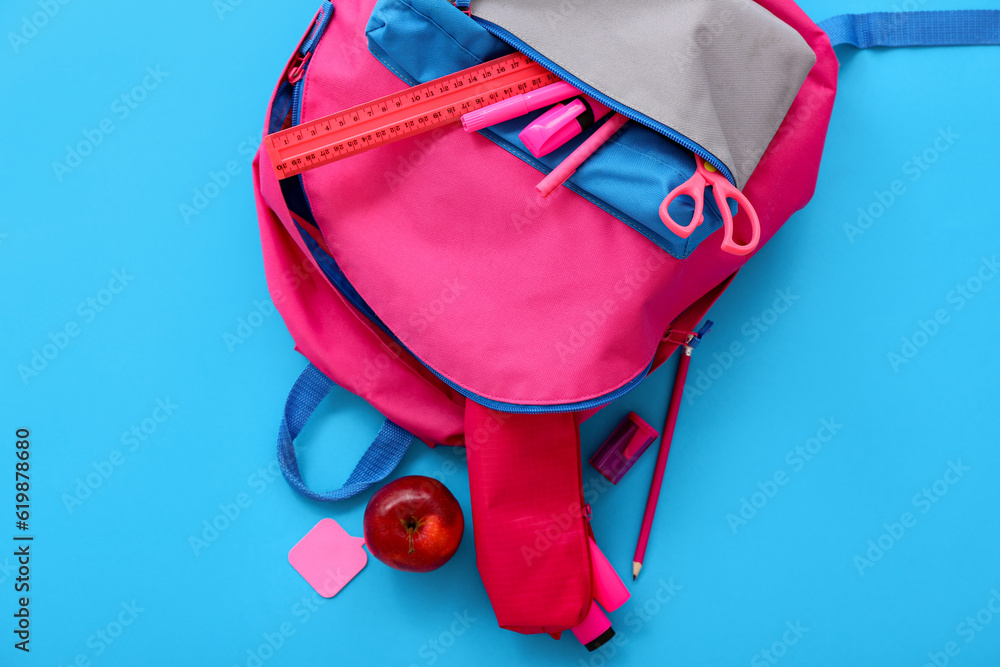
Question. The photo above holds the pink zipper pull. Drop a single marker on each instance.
(297, 69)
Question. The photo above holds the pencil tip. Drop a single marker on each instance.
(636, 566)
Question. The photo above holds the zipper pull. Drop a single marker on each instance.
(690, 339)
(297, 68)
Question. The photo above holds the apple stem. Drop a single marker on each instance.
(412, 526)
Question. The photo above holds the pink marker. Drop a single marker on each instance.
(560, 124)
(566, 168)
(609, 593)
(518, 106)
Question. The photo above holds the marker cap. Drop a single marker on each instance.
(560, 124)
(595, 630)
(517, 106)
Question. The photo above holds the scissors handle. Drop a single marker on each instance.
(729, 244)
(703, 177)
(694, 188)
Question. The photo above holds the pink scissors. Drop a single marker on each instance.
(706, 176)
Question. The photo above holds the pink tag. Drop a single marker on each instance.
(327, 557)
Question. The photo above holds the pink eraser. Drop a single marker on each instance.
(327, 557)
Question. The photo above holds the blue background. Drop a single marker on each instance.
(162, 338)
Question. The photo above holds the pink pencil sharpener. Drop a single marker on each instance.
(624, 446)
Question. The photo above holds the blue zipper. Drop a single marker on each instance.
(669, 132)
(319, 28)
(310, 42)
(523, 155)
(293, 189)
(340, 282)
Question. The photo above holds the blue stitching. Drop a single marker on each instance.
(604, 206)
(385, 61)
(443, 30)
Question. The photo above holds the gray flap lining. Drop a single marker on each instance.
(723, 73)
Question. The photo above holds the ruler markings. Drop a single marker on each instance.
(402, 114)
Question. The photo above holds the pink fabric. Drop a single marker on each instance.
(430, 235)
(342, 343)
(565, 306)
(532, 544)
(407, 221)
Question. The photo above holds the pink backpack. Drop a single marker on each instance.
(429, 278)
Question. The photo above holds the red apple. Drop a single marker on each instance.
(413, 524)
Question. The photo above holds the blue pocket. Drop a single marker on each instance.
(628, 177)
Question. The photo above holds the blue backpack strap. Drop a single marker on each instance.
(381, 458)
(940, 28)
